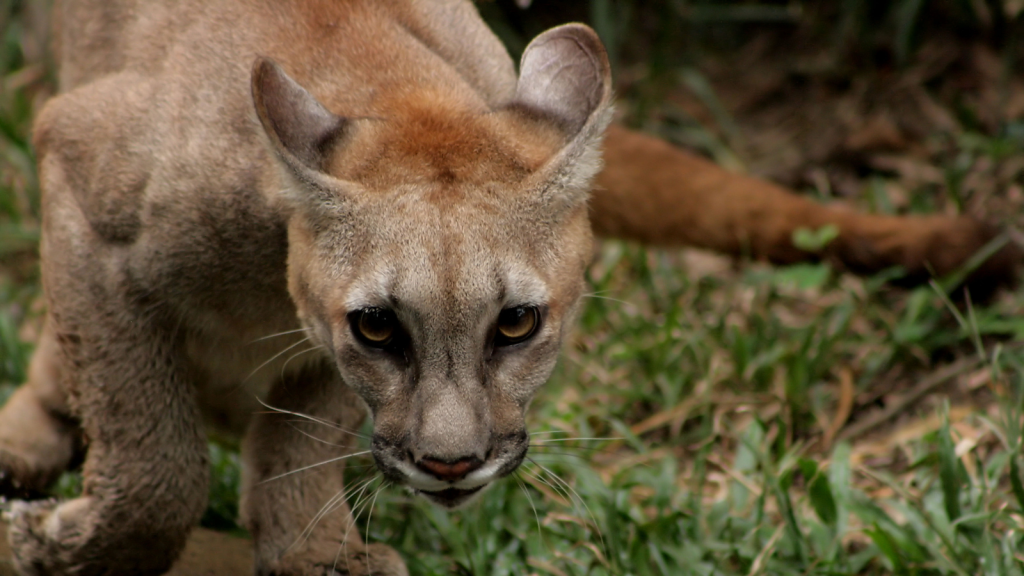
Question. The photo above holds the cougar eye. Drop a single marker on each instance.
(375, 327)
(516, 325)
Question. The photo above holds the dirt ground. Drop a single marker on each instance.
(208, 554)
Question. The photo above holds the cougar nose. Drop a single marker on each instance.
(449, 471)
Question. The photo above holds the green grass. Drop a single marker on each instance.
(19, 204)
(687, 428)
(733, 481)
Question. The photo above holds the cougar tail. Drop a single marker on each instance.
(654, 193)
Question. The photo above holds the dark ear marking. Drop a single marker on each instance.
(296, 123)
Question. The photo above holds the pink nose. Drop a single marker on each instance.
(449, 472)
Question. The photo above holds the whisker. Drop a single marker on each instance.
(328, 461)
(274, 357)
(348, 431)
(597, 296)
(285, 333)
(360, 501)
(321, 440)
(369, 518)
(550, 440)
(590, 512)
(588, 449)
(526, 491)
(560, 482)
(556, 490)
(553, 453)
(305, 416)
(361, 497)
(330, 506)
(540, 448)
(296, 355)
(303, 536)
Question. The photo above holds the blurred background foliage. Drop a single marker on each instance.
(710, 417)
(802, 92)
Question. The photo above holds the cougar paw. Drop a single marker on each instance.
(19, 480)
(78, 537)
(44, 535)
(371, 560)
(374, 560)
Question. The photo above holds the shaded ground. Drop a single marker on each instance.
(208, 553)
(941, 134)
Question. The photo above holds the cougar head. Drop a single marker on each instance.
(438, 252)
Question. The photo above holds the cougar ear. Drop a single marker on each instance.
(565, 77)
(565, 74)
(300, 128)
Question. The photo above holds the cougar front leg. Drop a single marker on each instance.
(145, 474)
(294, 500)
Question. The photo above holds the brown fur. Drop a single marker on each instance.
(378, 155)
(657, 194)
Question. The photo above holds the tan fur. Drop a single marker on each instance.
(217, 172)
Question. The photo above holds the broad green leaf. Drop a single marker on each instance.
(815, 240)
(819, 491)
(1015, 480)
(803, 276)
(886, 544)
(949, 475)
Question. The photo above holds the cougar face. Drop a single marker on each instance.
(446, 332)
(438, 253)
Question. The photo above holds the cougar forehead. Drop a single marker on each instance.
(429, 260)
(447, 280)
(449, 147)
(443, 263)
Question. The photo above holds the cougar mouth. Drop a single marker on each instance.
(396, 462)
(451, 497)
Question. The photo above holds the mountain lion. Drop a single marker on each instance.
(366, 181)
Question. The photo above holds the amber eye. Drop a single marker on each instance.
(516, 325)
(374, 327)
